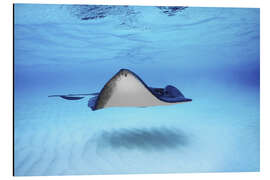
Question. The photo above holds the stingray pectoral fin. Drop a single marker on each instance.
(173, 91)
(68, 97)
(90, 94)
(74, 96)
(71, 97)
(92, 102)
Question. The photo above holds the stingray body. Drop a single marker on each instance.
(126, 89)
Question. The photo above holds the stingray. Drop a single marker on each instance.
(126, 89)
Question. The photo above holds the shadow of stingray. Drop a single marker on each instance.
(144, 139)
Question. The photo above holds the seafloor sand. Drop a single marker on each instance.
(217, 132)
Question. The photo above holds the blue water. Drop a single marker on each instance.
(211, 54)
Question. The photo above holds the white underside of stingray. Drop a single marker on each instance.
(126, 89)
(130, 91)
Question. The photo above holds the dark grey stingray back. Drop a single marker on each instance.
(173, 91)
(92, 102)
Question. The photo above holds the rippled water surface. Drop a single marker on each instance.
(210, 54)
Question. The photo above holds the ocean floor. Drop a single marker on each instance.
(58, 137)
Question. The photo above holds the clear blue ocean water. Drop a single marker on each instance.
(211, 54)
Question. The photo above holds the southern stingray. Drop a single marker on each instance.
(125, 89)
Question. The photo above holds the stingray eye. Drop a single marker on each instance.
(125, 74)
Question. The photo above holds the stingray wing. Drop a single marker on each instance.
(126, 88)
(74, 96)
